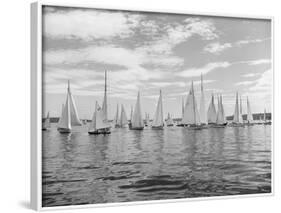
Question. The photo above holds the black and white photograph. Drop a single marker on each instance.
(149, 106)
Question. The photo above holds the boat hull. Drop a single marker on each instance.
(99, 132)
(136, 128)
(236, 125)
(64, 130)
(170, 125)
(44, 129)
(157, 127)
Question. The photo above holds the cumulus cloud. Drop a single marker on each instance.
(217, 48)
(193, 72)
(89, 24)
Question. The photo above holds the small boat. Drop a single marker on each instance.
(220, 123)
(137, 121)
(46, 124)
(169, 121)
(212, 114)
(265, 121)
(250, 119)
(123, 118)
(131, 117)
(69, 115)
(100, 123)
(191, 118)
(158, 121)
(116, 121)
(146, 122)
(202, 110)
(237, 117)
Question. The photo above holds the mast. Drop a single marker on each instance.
(222, 109)
(240, 113)
(236, 110)
(203, 115)
(104, 105)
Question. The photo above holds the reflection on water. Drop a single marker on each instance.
(154, 164)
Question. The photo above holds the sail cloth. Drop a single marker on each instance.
(123, 118)
(212, 115)
(237, 117)
(249, 112)
(169, 120)
(69, 115)
(98, 120)
(241, 113)
(158, 120)
(222, 109)
(116, 119)
(104, 104)
(137, 121)
(191, 113)
(203, 114)
(60, 119)
(47, 123)
(220, 116)
(65, 120)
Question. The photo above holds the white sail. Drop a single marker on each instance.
(264, 116)
(169, 120)
(65, 120)
(123, 118)
(137, 121)
(131, 114)
(104, 104)
(116, 118)
(182, 108)
(47, 123)
(249, 112)
(75, 120)
(212, 115)
(236, 111)
(222, 109)
(147, 119)
(240, 111)
(60, 119)
(158, 120)
(203, 114)
(220, 116)
(98, 120)
(191, 113)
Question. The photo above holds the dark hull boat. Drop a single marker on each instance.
(100, 132)
(64, 130)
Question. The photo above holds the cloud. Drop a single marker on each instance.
(244, 83)
(260, 61)
(89, 24)
(216, 47)
(264, 83)
(193, 72)
(249, 75)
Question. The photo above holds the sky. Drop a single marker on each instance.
(146, 52)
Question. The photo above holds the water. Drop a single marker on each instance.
(143, 165)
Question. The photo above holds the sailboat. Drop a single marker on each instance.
(158, 121)
(212, 115)
(116, 121)
(100, 123)
(131, 117)
(265, 122)
(182, 113)
(237, 117)
(137, 122)
(46, 124)
(250, 120)
(202, 110)
(191, 117)
(147, 119)
(169, 121)
(69, 115)
(220, 122)
(123, 118)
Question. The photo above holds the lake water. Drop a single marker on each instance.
(130, 165)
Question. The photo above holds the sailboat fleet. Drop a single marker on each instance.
(193, 116)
